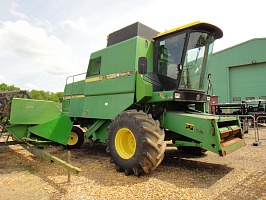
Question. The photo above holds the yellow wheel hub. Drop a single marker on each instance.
(73, 139)
(125, 143)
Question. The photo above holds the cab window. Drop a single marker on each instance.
(170, 54)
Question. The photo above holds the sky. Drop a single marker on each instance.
(42, 42)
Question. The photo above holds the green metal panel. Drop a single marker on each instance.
(42, 118)
(57, 130)
(74, 88)
(116, 85)
(76, 107)
(124, 55)
(241, 54)
(143, 88)
(18, 131)
(29, 111)
(98, 131)
(94, 127)
(202, 128)
(106, 106)
(102, 133)
(65, 106)
(117, 58)
(145, 49)
(202, 125)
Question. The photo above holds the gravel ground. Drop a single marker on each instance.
(239, 175)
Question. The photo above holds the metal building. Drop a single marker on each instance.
(239, 72)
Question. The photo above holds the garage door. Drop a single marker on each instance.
(247, 81)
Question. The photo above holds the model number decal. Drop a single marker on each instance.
(189, 126)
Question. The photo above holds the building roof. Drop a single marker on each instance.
(240, 44)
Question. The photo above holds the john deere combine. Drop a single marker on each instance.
(144, 91)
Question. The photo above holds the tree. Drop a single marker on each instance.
(36, 94)
(60, 96)
(5, 87)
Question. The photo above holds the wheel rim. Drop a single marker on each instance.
(125, 143)
(73, 139)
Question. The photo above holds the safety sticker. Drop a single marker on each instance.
(189, 126)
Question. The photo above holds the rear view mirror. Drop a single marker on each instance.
(179, 67)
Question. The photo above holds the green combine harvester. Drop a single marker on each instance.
(143, 92)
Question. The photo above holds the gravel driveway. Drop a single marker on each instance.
(239, 175)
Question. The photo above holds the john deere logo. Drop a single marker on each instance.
(198, 97)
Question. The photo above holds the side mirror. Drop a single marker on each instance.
(142, 65)
(209, 76)
(179, 67)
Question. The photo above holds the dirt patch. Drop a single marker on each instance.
(240, 175)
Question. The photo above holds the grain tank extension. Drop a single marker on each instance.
(146, 90)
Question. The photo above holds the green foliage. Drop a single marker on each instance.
(5, 87)
(36, 94)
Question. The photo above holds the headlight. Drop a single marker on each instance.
(177, 96)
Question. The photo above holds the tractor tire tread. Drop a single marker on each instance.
(151, 138)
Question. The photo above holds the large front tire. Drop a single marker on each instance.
(135, 142)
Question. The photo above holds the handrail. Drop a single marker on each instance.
(73, 80)
(73, 77)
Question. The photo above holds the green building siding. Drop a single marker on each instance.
(240, 71)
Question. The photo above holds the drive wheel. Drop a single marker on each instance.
(135, 142)
(76, 138)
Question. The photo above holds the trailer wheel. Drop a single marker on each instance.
(135, 142)
(76, 138)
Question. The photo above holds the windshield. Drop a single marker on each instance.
(170, 54)
(194, 69)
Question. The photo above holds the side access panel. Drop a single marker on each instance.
(76, 105)
(106, 106)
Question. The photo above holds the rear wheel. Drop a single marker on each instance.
(135, 142)
(76, 138)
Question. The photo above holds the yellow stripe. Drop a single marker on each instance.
(110, 76)
(73, 96)
(177, 29)
(93, 79)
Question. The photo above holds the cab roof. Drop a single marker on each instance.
(198, 25)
